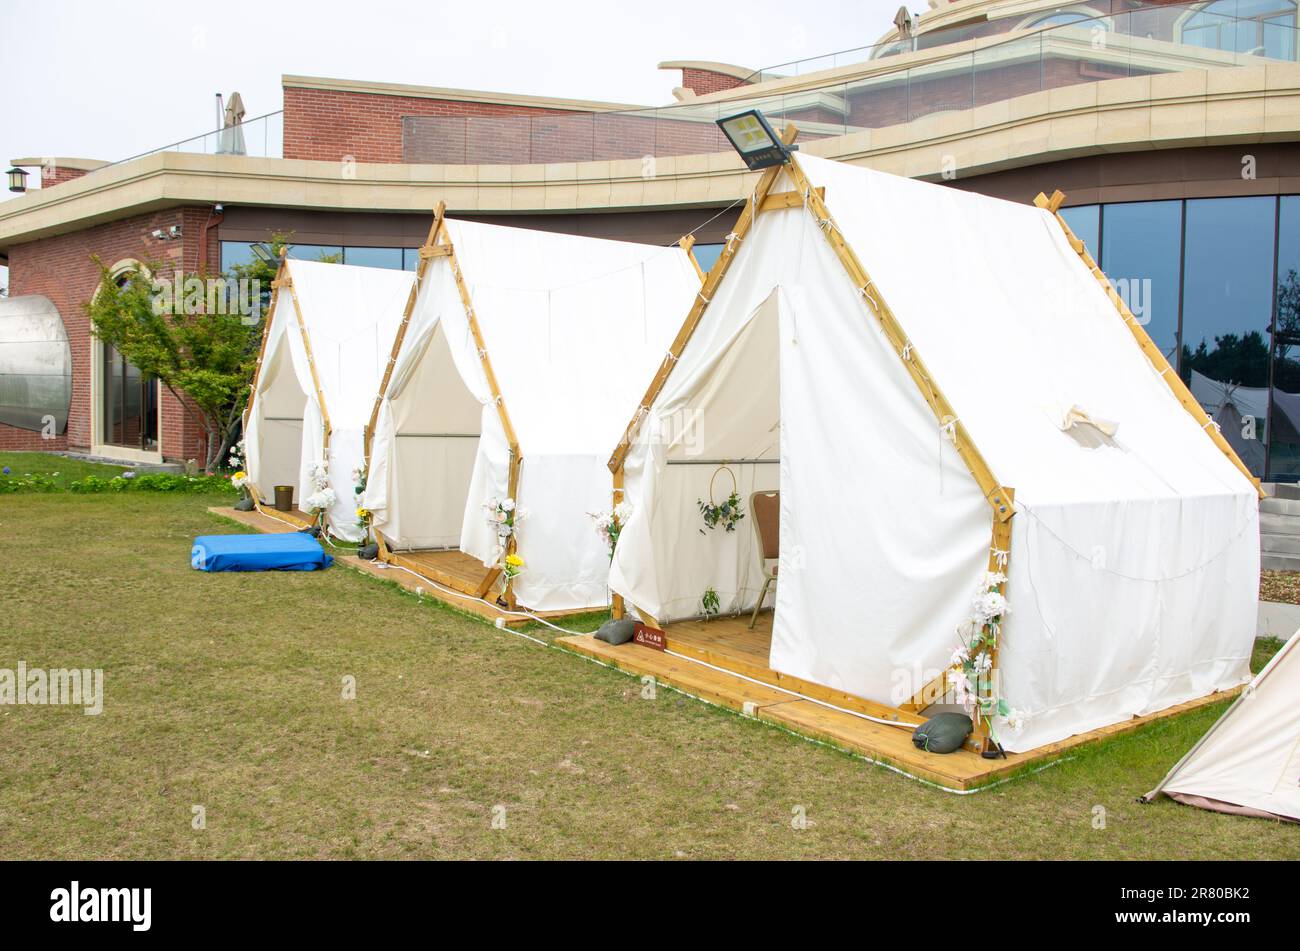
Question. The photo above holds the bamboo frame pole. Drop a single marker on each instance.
(1153, 353)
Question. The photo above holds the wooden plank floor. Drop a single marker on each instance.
(411, 582)
(727, 643)
(455, 569)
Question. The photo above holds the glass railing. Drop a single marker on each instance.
(262, 137)
(1143, 41)
(1140, 42)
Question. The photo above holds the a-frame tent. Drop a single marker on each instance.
(1249, 761)
(929, 377)
(507, 380)
(325, 345)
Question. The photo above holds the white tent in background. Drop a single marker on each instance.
(1249, 761)
(324, 349)
(509, 381)
(912, 366)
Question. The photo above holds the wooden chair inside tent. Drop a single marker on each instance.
(766, 510)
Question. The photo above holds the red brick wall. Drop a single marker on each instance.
(58, 174)
(62, 269)
(704, 81)
(327, 125)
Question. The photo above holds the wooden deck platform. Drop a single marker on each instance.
(412, 582)
(455, 569)
(738, 677)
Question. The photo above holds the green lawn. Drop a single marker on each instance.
(225, 691)
(60, 468)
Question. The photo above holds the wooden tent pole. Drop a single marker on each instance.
(315, 381)
(420, 269)
(1153, 353)
(1001, 499)
(687, 244)
(368, 435)
(278, 283)
(266, 336)
(711, 280)
(503, 414)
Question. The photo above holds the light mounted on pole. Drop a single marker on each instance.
(754, 139)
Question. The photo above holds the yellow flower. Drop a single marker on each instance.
(363, 513)
(514, 561)
(240, 475)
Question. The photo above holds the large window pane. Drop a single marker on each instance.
(374, 257)
(1141, 254)
(235, 252)
(316, 252)
(1284, 418)
(1227, 302)
(708, 254)
(1085, 222)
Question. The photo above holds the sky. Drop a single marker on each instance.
(98, 80)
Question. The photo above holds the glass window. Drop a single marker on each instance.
(316, 252)
(1284, 416)
(1227, 303)
(1140, 253)
(374, 257)
(708, 254)
(1085, 222)
(1257, 27)
(410, 259)
(235, 252)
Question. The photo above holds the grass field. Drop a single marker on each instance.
(60, 468)
(225, 691)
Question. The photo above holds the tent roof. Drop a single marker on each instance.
(1250, 759)
(1016, 331)
(573, 325)
(351, 315)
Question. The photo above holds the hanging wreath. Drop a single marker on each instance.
(726, 514)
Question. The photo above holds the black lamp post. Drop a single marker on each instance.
(17, 180)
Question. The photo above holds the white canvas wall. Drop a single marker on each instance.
(1250, 759)
(351, 315)
(574, 328)
(1134, 561)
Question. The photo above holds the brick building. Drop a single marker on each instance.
(1171, 126)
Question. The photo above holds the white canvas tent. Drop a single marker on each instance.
(509, 381)
(324, 350)
(928, 376)
(1249, 761)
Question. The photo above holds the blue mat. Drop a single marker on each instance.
(291, 551)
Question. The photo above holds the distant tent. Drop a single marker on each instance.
(1228, 405)
(929, 377)
(324, 349)
(509, 381)
(1249, 761)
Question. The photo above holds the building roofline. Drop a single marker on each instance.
(456, 95)
(76, 164)
(1173, 110)
(722, 69)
